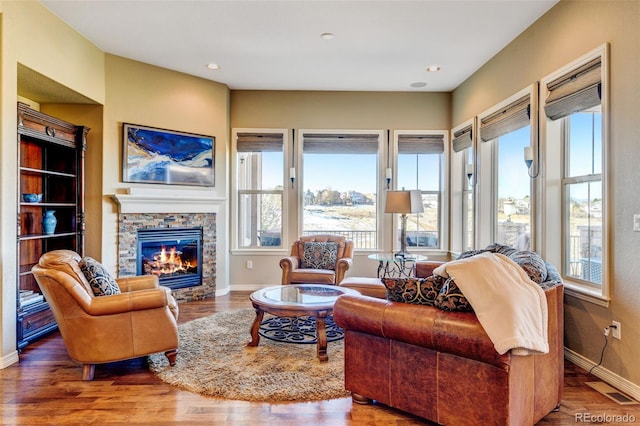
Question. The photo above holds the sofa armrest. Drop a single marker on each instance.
(137, 282)
(342, 266)
(424, 268)
(126, 302)
(288, 264)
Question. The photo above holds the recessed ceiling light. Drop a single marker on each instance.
(213, 66)
(327, 36)
(433, 68)
(418, 84)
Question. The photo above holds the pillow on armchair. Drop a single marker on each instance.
(319, 255)
(102, 283)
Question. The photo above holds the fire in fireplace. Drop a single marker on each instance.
(173, 254)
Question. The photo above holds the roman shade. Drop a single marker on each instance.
(259, 142)
(340, 143)
(420, 144)
(512, 117)
(575, 91)
(463, 139)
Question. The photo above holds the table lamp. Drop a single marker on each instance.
(404, 202)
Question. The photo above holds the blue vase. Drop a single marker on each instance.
(49, 222)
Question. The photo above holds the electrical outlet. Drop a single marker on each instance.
(616, 330)
(636, 222)
(249, 264)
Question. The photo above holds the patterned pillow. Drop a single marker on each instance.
(469, 253)
(320, 255)
(419, 291)
(501, 248)
(450, 298)
(102, 283)
(532, 263)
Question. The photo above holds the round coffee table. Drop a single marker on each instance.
(297, 300)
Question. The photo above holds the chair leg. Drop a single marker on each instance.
(87, 372)
(171, 356)
(359, 399)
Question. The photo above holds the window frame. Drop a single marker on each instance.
(555, 213)
(463, 188)
(380, 178)
(237, 192)
(487, 191)
(443, 193)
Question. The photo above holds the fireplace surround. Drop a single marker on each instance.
(131, 225)
(172, 254)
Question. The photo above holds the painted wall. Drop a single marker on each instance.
(566, 32)
(143, 94)
(326, 110)
(35, 38)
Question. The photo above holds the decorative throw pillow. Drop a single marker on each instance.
(469, 253)
(419, 291)
(102, 283)
(450, 298)
(501, 248)
(320, 255)
(532, 263)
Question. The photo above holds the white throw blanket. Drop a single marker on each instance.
(511, 308)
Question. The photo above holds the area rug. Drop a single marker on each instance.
(214, 360)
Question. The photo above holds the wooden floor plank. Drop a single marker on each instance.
(46, 388)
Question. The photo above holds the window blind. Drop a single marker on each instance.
(338, 143)
(575, 91)
(259, 142)
(512, 117)
(420, 144)
(462, 139)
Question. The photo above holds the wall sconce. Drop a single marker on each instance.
(468, 170)
(528, 160)
(292, 175)
(388, 175)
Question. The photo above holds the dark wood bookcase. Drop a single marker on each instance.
(51, 163)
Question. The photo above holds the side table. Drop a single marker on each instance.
(392, 266)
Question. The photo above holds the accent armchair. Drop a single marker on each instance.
(139, 320)
(317, 259)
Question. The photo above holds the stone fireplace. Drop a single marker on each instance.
(174, 255)
(143, 209)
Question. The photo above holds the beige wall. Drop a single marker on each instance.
(566, 32)
(35, 38)
(151, 96)
(326, 110)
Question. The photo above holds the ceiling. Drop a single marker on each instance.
(277, 45)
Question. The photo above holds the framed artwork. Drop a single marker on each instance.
(153, 155)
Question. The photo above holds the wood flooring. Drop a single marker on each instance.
(46, 388)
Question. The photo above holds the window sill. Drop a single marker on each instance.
(583, 293)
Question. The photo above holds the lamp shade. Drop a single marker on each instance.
(404, 202)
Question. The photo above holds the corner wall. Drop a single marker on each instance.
(567, 31)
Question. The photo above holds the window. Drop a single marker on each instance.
(575, 107)
(259, 183)
(463, 182)
(340, 185)
(508, 130)
(420, 163)
(582, 195)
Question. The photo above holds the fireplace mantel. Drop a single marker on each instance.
(167, 201)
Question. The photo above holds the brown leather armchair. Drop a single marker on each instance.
(296, 271)
(139, 321)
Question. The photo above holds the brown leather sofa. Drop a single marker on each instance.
(295, 272)
(442, 366)
(139, 321)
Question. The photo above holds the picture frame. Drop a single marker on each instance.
(168, 157)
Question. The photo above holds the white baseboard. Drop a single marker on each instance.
(605, 375)
(10, 359)
(249, 287)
